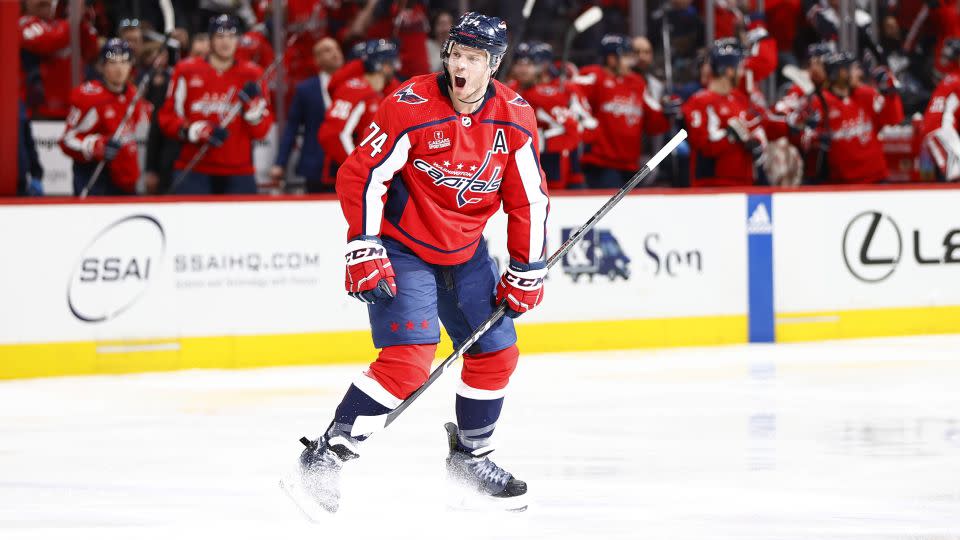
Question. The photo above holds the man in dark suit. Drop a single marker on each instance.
(310, 102)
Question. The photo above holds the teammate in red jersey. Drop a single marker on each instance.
(355, 102)
(45, 56)
(850, 118)
(559, 111)
(725, 137)
(202, 92)
(438, 160)
(624, 110)
(96, 110)
(941, 118)
(254, 46)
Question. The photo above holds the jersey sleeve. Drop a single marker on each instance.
(707, 135)
(80, 129)
(655, 122)
(342, 120)
(43, 38)
(525, 200)
(365, 175)
(941, 110)
(172, 115)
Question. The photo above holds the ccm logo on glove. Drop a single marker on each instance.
(521, 287)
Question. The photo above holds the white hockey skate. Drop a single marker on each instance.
(477, 482)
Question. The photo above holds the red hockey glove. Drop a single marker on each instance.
(521, 287)
(370, 276)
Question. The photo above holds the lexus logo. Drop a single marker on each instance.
(872, 246)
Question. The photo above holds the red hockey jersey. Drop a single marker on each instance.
(943, 110)
(95, 114)
(624, 111)
(46, 70)
(717, 158)
(353, 105)
(431, 178)
(852, 124)
(198, 92)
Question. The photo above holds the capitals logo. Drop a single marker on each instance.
(519, 101)
(406, 95)
(460, 181)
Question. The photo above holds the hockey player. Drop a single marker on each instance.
(624, 111)
(559, 111)
(440, 157)
(850, 116)
(941, 117)
(201, 95)
(254, 46)
(355, 102)
(96, 109)
(725, 137)
(45, 55)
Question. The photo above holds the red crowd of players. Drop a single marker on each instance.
(593, 120)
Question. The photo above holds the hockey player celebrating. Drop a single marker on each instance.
(202, 92)
(725, 138)
(850, 116)
(561, 113)
(96, 109)
(624, 110)
(438, 160)
(942, 114)
(355, 102)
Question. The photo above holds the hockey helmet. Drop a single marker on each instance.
(951, 49)
(821, 49)
(617, 44)
(357, 50)
(377, 53)
(223, 24)
(725, 53)
(833, 62)
(479, 32)
(116, 50)
(536, 52)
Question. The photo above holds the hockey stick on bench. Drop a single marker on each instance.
(368, 424)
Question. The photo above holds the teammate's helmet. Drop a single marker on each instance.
(617, 44)
(223, 24)
(725, 53)
(834, 61)
(536, 52)
(357, 50)
(377, 53)
(821, 49)
(479, 32)
(951, 49)
(116, 50)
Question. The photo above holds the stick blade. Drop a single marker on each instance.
(587, 19)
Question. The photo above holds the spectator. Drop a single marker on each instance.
(644, 66)
(92, 133)
(200, 45)
(45, 55)
(439, 32)
(625, 112)
(725, 139)
(201, 97)
(310, 103)
(29, 169)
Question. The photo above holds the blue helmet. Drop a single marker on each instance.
(821, 49)
(479, 32)
(223, 24)
(537, 52)
(725, 53)
(377, 53)
(117, 50)
(357, 50)
(833, 62)
(617, 44)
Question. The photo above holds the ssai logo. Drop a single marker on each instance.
(115, 268)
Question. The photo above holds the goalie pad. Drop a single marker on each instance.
(944, 146)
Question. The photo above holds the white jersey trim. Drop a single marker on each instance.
(379, 176)
(526, 162)
(346, 135)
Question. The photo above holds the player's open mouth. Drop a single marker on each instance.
(459, 82)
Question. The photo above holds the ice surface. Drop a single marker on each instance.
(855, 439)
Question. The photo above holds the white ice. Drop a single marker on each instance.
(854, 439)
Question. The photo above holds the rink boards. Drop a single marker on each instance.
(166, 284)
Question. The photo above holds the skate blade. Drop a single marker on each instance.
(308, 506)
(481, 503)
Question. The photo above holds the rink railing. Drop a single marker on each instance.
(125, 285)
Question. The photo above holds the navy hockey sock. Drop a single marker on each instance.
(355, 403)
(476, 419)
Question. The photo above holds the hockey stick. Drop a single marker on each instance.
(368, 424)
(668, 74)
(141, 89)
(231, 114)
(508, 61)
(586, 19)
(918, 21)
